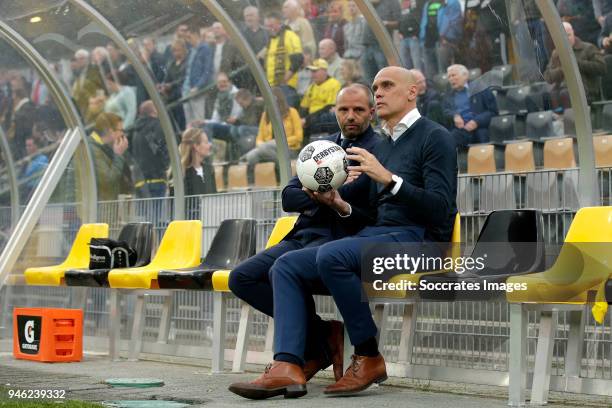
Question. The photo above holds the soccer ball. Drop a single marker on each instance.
(322, 166)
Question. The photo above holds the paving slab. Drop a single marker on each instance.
(195, 385)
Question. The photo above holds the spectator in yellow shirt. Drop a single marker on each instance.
(318, 102)
(265, 149)
(283, 56)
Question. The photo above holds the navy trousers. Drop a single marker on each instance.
(251, 281)
(337, 265)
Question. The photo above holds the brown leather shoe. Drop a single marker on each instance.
(279, 378)
(363, 372)
(335, 345)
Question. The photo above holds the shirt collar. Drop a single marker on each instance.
(404, 124)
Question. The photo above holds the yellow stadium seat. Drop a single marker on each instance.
(584, 263)
(481, 159)
(237, 177)
(219, 182)
(455, 252)
(77, 258)
(180, 247)
(602, 144)
(519, 157)
(281, 228)
(265, 175)
(559, 153)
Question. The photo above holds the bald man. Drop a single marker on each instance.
(329, 52)
(409, 197)
(591, 65)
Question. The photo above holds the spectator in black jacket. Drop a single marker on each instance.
(409, 28)
(198, 173)
(429, 102)
(149, 151)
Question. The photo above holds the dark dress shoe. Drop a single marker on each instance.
(334, 354)
(279, 378)
(363, 372)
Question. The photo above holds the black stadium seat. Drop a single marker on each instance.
(511, 243)
(138, 236)
(233, 243)
(502, 128)
(506, 73)
(517, 98)
(540, 124)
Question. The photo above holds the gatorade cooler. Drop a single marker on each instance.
(48, 335)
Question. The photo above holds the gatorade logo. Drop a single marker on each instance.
(29, 331)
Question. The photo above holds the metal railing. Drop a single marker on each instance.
(468, 336)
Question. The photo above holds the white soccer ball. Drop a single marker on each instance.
(321, 166)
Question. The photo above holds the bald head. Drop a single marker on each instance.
(147, 108)
(395, 94)
(327, 48)
(420, 80)
(291, 9)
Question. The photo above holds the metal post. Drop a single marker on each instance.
(543, 358)
(242, 338)
(11, 172)
(269, 342)
(586, 177)
(218, 340)
(573, 357)
(380, 31)
(166, 316)
(517, 366)
(114, 325)
(147, 81)
(409, 319)
(278, 130)
(138, 327)
(381, 314)
(37, 203)
(69, 112)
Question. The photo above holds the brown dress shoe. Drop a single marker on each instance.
(279, 378)
(335, 345)
(363, 372)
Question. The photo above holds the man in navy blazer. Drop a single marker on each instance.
(407, 196)
(470, 115)
(316, 225)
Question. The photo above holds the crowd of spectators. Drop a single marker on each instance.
(308, 50)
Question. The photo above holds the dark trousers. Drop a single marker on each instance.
(252, 280)
(463, 137)
(337, 265)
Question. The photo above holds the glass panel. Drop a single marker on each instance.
(31, 121)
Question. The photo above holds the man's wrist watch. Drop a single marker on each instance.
(394, 180)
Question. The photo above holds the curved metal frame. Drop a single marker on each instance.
(238, 40)
(12, 178)
(380, 32)
(587, 183)
(69, 113)
(164, 118)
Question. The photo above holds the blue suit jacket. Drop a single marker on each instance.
(320, 219)
(482, 105)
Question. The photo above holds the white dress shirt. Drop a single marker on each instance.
(398, 130)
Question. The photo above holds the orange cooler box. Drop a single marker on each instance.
(49, 335)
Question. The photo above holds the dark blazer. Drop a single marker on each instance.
(195, 185)
(320, 219)
(482, 105)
